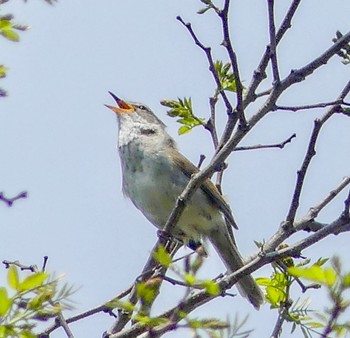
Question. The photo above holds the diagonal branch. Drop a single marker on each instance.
(234, 62)
(273, 43)
(307, 221)
(147, 272)
(310, 153)
(260, 72)
(171, 317)
(207, 51)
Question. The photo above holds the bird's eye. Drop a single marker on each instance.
(142, 107)
(148, 131)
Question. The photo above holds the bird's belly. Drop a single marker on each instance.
(153, 186)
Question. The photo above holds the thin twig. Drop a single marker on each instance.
(311, 106)
(232, 118)
(174, 281)
(212, 121)
(293, 78)
(310, 153)
(266, 146)
(207, 51)
(227, 43)
(305, 222)
(347, 205)
(276, 332)
(201, 160)
(212, 102)
(10, 201)
(64, 325)
(171, 247)
(314, 211)
(101, 308)
(260, 72)
(201, 297)
(32, 268)
(335, 313)
(263, 93)
(273, 50)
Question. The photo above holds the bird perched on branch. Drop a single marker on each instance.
(155, 173)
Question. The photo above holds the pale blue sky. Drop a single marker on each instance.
(58, 140)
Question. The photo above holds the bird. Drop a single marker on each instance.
(155, 173)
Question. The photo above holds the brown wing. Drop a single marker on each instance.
(188, 168)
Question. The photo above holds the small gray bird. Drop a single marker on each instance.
(155, 173)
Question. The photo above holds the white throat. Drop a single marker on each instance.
(136, 129)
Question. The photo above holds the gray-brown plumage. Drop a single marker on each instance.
(155, 174)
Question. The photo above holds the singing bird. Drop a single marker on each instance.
(155, 173)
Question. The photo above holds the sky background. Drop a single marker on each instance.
(58, 140)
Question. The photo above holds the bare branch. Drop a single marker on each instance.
(260, 72)
(311, 106)
(233, 59)
(207, 51)
(211, 124)
(310, 153)
(201, 297)
(85, 314)
(273, 44)
(306, 222)
(65, 326)
(173, 315)
(171, 247)
(201, 160)
(32, 268)
(10, 201)
(335, 312)
(276, 332)
(300, 74)
(314, 211)
(265, 146)
(347, 205)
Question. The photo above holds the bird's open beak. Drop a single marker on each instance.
(123, 106)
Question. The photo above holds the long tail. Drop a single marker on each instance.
(227, 250)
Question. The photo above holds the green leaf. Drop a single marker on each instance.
(149, 321)
(346, 280)
(32, 281)
(182, 108)
(275, 295)
(190, 279)
(145, 292)
(183, 130)
(315, 325)
(226, 76)
(10, 34)
(5, 24)
(117, 303)
(263, 281)
(162, 257)
(330, 276)
(212, 324)
(203, 10)
(315, 273)
(5, 302)
(211, 288)
(321, 261)
(3, 70)
(12, 277)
